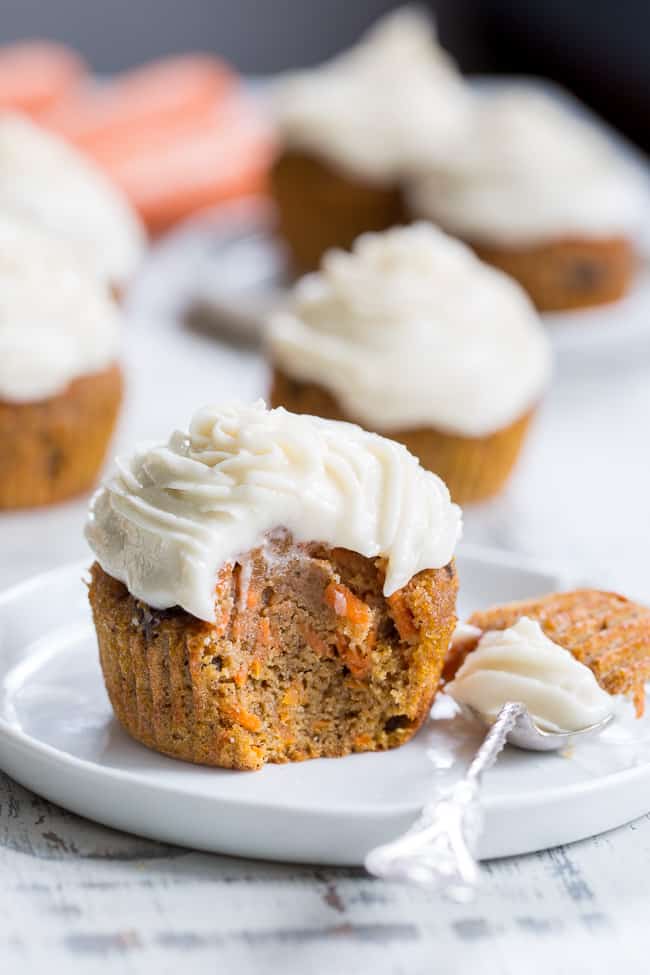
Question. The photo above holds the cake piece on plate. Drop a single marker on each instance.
(606, 632)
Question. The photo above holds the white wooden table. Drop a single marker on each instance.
(79, 898)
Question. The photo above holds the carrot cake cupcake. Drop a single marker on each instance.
(527, 651)
(44, 179)
(60, 384)
(539, 193)
(270, 588)
(412, 336)
(353, 129)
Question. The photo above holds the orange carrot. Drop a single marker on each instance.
(169, 90)
(344, 603)
(182, 172)
(314, 641)
(252, 597)
(240, 716)
(241, 676)
(362, 742)
(356, 659)
(35, 75)
(402, 617)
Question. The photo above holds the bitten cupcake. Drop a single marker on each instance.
(539, 193)
(412, 336)
(60, 383)
(270, 588)
(45, 180)
(352, 130)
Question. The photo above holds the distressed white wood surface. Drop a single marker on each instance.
(79, 898)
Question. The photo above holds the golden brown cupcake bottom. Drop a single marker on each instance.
(604, 631)
(569, 273)
(473, 468)
(320, 207)
(54, 449)
(306, 658)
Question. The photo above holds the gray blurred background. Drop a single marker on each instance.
(598, 48)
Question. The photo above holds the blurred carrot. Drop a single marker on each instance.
(169, 91)
(35, 75)
(172, 172)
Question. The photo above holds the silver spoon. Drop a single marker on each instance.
(437, 851)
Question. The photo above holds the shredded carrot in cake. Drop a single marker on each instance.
(314, 641)
(355, 658)
(240, 716)
(402, 616)
(344, 603)
(264, 633)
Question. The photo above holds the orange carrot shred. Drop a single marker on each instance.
(344, 603)
(402, 616)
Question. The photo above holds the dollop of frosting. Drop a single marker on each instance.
(389, 106)
(46, 180)
(176, 512)
(410, 329)
(523, 664)
(532, 172)
(57, 321)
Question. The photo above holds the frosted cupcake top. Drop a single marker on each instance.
(531, 172)
(57, 321)
(389, 106)
(176, 512)
(522, 664)
(44, 179)
(409, 330)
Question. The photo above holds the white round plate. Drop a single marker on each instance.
(59, 738)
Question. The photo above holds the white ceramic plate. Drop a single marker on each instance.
(58, 737)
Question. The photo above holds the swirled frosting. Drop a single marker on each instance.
(57, 322)
(389, 106)
(175, 513)
(523, 664)
(410, 329)
(44, 179)
(531, 172)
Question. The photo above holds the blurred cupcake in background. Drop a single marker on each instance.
(46, 181)
(540, 193)
(60, 382)
(351, 131)
(413, 337)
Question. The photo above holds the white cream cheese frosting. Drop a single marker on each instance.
(522, 664)
(44, 179)
(393, 104)
(176, 512)
(409, 330)
(57, 321)
(531, 172)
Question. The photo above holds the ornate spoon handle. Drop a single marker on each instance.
(437, 851)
